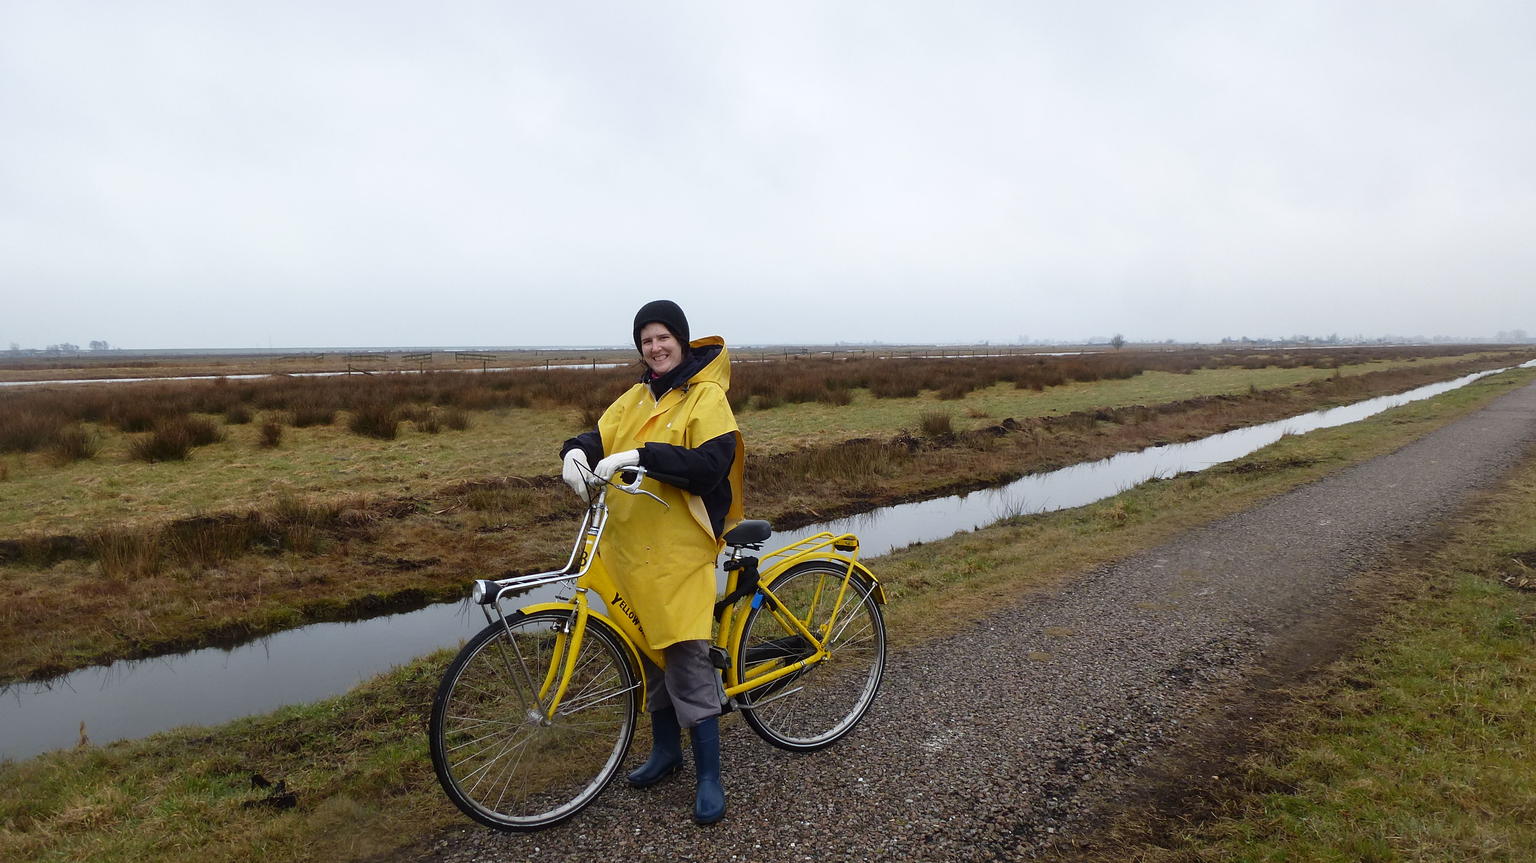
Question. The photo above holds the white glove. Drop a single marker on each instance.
(575, 472)
(618, 461)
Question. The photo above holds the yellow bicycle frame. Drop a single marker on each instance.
(823, 547)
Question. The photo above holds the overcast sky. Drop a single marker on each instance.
(255, 174)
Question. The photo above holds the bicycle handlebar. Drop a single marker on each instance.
(633, 486)
(488, 590)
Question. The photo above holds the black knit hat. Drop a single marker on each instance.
(668, 314)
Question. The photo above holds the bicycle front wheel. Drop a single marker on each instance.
(814, 707)
(499, 755)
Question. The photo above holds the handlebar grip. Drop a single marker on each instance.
(669, 479)
(628, 479)
(627, 476)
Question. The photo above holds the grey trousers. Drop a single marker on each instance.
(689, 683)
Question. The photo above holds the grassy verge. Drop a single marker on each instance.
(1416, 747)
(357, 764)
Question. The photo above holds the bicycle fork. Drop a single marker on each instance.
(549, 694)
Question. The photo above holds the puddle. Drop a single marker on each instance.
(135, 698)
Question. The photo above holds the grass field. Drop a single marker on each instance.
(39, 496)
(240, 539)
(363, 785)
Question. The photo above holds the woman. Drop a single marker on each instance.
(676, 421)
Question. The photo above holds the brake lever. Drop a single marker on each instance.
(652, 496)
(634, 487)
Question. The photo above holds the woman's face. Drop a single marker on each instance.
(659, 348)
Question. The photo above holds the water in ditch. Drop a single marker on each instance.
(135, 698)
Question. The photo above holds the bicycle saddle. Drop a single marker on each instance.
(749, 532)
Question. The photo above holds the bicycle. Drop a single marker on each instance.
(534, 716)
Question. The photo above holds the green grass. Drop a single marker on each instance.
(1420, 746)
(359, 766)
(239, 474)
(353, 763)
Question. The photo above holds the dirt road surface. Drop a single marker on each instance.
(994, 743)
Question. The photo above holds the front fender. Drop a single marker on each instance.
(629, 647)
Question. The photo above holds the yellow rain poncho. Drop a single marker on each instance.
(663, 558)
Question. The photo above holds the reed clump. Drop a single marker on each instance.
(25, 429)
(427, 421)
(124, 554)
(172, 439)
(376, 420)
(208, 541)
(72, 443)
(200, 430)
(937, 424)
(168, 442)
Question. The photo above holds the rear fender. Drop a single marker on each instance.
(861, 575)
(861, 572)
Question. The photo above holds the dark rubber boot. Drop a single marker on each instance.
(709, 800)
(666, 750)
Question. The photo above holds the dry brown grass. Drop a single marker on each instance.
(174, 437)
(937, 423)
(71, 444)
(24, 415)
(312, 560)
(271, 434)
(376, 420)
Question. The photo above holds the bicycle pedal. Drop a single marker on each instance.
(717, 657)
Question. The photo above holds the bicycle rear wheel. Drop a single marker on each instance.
(816, 706)
(498, 757)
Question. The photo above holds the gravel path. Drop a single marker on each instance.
(986, 745)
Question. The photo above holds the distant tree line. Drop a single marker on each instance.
(64, 347)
